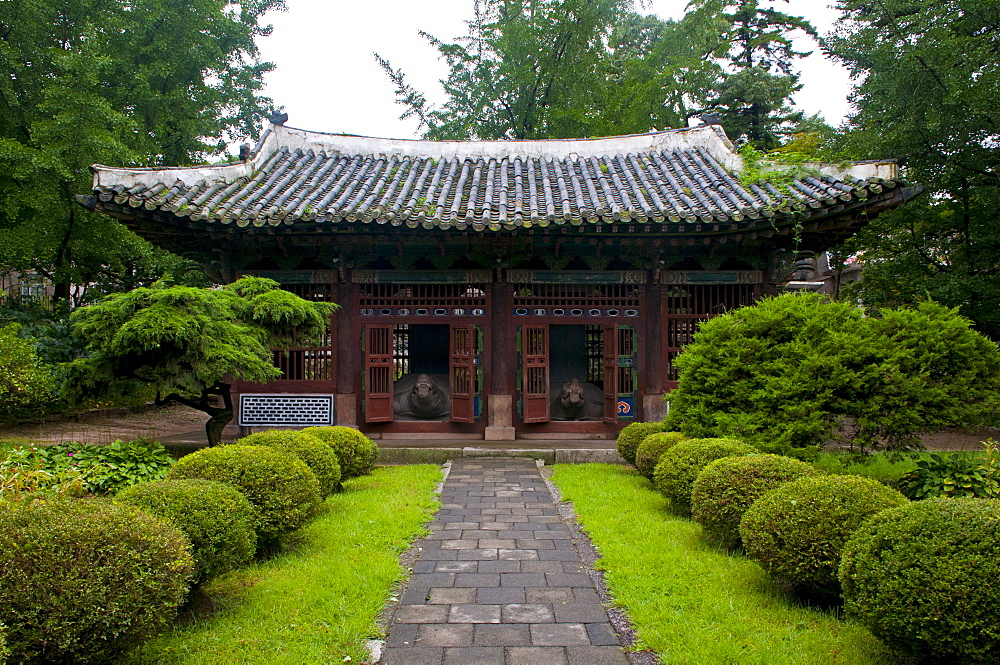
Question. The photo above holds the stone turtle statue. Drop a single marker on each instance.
(421, 397)
(577, 401)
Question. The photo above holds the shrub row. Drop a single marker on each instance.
(916, 574)
(84, 580)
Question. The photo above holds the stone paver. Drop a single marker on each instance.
(499, 581)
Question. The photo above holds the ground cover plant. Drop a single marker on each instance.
(98, 469)
(690, 602)
(316, 602)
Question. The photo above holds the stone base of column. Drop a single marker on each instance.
(346, 409)
(654, 409)
(501, 419)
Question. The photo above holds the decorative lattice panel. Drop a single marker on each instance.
(286, 410)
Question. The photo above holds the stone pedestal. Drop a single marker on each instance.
(346, 409)
(654, 409)
(501, 419)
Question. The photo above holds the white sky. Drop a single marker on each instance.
(328, 81)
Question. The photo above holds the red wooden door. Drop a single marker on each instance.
(610, 374)
(535, 373)
(378, 373)
(462, 372)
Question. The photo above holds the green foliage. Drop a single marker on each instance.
(282, 489)
(563, 68)
(100, 469)
(25, 381)
(797, 370)
(679, 466)
(85, 580)
(319, 601)
(355, 451)
(797, 531)
(691, 603)
(216, 518)
(887, 468)
(632, 435)
(955, 475)
(928, 75)
(753, 94)
(317, 455)
(920, 577)
(4, 651)
(647, 455)
(727, 487)
(186, 341)
(142, 81)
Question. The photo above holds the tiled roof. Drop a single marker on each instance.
(297, 177)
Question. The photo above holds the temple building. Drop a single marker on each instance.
(494, 289)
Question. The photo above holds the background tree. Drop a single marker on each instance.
(143, 82)
(25, 380)
(532, 69)
(184, 342)
(927, 77)
(753, 93)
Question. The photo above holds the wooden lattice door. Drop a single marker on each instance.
(535, 373)
(462, 373)
(610, 374)
(378, 340)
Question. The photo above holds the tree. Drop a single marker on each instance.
(25, 380)
(183, 342)
(532, 69)
(796, 371)
(143, 82)
(927, 80)
(753, 95)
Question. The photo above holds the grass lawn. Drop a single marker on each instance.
(317, 601)
(691, 603)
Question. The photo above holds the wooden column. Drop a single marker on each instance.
(653, 406)
(500, 422)
(348, 358)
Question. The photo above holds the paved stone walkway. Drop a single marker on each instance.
(499, 581)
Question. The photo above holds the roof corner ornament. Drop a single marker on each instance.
(244, 152)
(710, 118)
(279, 118)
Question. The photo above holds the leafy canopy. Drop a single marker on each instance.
(185, 341)
(796, 371)
(927, 79)
(143, 82)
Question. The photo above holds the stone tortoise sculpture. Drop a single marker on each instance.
(577, 401)
(421, 397)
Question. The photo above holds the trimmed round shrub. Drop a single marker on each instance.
(678, 467)
(216, 518)
(632, 435)
(283, 491)
(726, 488)
(356, 452)
(922, 577)
(85, 580)
(797, 531)
(309, 448)
(647, 455)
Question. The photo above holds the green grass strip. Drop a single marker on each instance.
(317, 602)
(691, 603)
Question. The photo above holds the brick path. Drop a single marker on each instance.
(499, 580)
